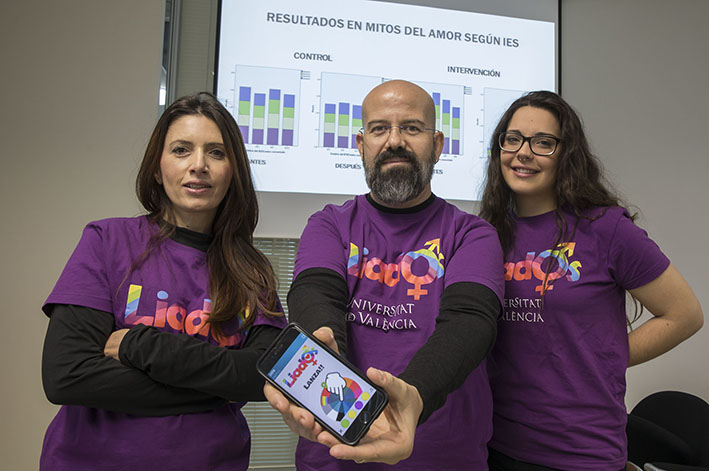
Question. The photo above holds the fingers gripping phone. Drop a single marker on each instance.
(314, 377)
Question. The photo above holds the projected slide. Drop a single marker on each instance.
(496, 103)
(294, 75)
(449, 102)
(264, 103)
(341, 98)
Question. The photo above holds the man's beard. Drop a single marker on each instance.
(402, 183)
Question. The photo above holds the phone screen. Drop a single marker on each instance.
(325, 386)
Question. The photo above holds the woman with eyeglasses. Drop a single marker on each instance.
(157, 321)
(572, 252)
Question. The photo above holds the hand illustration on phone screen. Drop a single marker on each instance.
(340, 395)
(335, 384)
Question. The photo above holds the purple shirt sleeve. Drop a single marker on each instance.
(478, 258)
(84, 281)
(321, 245)
(634, 259)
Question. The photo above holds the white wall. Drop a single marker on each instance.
(79, 99)
(80, 81)
(637, 72)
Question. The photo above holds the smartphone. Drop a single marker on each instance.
(316, 378)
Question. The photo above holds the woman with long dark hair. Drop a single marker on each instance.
(180, 296)
(572, 251)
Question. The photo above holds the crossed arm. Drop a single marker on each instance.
(164, 374)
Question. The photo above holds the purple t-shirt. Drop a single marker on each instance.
(557, 370)
(396, 267)
(169, 291)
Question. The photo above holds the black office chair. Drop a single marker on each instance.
(669, 431)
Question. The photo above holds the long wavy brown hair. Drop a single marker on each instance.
(580, 183)
(241, 280)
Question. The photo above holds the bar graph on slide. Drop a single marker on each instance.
(341, 98)
(265, 104)
(448, 100)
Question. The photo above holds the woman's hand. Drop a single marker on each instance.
(114, 343)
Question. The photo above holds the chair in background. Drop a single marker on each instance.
(669, 431)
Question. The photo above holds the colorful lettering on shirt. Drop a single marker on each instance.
(176, 316)
(362, 265)
(131, 315)
(533, 267)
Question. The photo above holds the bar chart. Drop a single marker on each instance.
(341, 98)
(448, 100)
(265, 104)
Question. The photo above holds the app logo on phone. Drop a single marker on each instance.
(306, 358)
(342, 398)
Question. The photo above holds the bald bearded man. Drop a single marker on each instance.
(404, 282)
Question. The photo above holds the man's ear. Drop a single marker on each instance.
(438, 141)
(360, 143)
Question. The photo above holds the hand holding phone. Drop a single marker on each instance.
(304, 369)
(391, 437)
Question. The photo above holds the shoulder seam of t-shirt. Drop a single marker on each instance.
(655, 270)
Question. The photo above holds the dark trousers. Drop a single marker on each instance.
(500, 462)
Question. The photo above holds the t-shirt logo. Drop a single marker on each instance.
(533, 266)
(417, 267)
(174, 316)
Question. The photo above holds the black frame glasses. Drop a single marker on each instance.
(535, 143)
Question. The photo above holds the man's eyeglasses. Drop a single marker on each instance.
(540, 145)
(407, 130)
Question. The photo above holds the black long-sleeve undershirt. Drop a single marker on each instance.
(318, 298)
(184, 361)
(163, 374)
(75, 371)
(465, 330)
(160, 373)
